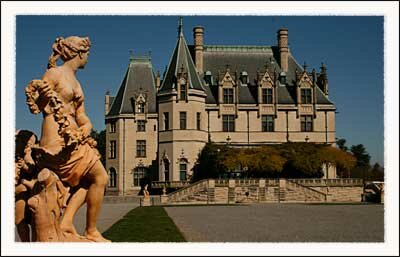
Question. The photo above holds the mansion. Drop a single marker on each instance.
(244, 96)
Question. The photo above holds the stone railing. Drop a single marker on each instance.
(183, 192)
(169, 184)
(329, 182)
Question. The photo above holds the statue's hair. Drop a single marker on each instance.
(67, 49)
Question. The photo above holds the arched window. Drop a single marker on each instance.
(166, 170)
(113, 178)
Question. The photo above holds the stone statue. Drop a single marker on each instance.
(146, 193)
(66, 155)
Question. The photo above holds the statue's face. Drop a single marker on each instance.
(84, 59)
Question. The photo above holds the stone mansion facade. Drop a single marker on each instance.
(244, 96)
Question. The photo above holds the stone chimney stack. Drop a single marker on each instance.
(283, 49)
(198, 34)
(158, 81)
(107, 103)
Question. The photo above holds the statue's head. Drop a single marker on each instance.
(69, 48)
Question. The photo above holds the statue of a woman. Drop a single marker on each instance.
(65, 146)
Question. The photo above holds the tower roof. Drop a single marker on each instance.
(139, 79)
(181, 60)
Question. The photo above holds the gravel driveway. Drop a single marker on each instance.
(280, 223)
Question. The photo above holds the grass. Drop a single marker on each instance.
(145, 224)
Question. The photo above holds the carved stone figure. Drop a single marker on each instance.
(66, 156)
(146, 193)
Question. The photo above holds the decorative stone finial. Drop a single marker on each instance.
(305, 66)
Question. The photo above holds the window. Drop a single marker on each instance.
(113, 149)
(140, 108)
(113, 178)
(244, 77)
(141, 148)
(228, 95)
(138, 175)
(306, 96)
(306, 123)
(267, 123)
(141, 125)
(228, 123)
(183, 92)
(267, 95)
(182, 120)
(166, 170)
(198, 120)
(166, 121)
(208, 77)
(112, 127)
(182, 171)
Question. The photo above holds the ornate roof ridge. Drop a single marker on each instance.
(248, 48)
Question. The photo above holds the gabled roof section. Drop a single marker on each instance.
(181, 58)
(139, 79)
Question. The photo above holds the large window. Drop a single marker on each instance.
(228, 95)
(113, 178)
(141, 125)
(182, 120)
(306, 96)
(267, 123)
(112, 127)
(141, 148)
(182, 171)
(166, 121)
(198, 121)
(183, 92)
(267, 95)
(306, 123)
(138, 175)
(113, 149)
(228, 123)
(140, 107)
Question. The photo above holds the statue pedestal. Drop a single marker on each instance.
(146, 201)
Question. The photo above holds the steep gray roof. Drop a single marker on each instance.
(139, 79)
(181, 58)
(250, 59)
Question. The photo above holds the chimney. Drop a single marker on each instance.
(198, 34)
(323, 79)
(283, 49)
(107, 103)
(158, 81)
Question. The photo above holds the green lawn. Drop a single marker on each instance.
(145, 224)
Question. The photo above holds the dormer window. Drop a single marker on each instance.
(306, 95)
(208, 77)
(244, 77)
(282, 78)
(183, 92)
(140, 107)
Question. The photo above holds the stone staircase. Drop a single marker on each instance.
(295, 192)
(210, 191)
(195, 193)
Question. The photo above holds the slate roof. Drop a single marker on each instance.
(139, 79)
(181, 58)
(250, 59)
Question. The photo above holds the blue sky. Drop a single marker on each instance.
(350, 46)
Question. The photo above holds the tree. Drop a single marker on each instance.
(341, 143)
(361, 155)
(100, 137)
(377, 172)
(343, 160)
(303, 160)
